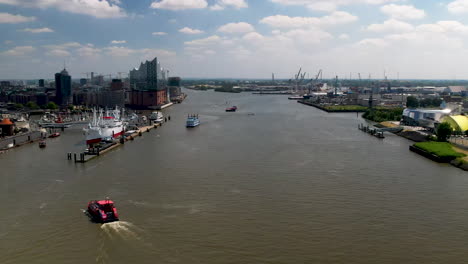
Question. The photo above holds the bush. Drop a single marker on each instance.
(51, 105)
(32, 105)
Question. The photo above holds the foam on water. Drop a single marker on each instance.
(121, 229)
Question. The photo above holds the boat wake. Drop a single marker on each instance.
(121, 229)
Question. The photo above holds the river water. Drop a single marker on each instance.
(286, 184)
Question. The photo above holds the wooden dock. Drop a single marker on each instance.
(96, 152)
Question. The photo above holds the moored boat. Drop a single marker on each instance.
(157, 117)
(296, 97)
(231, 109)
(192, 121)
(105, 124)
(54, 135)
(42, 144)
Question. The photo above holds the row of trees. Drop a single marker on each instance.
(34, 106)
(413, 102)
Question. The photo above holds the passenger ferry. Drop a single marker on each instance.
(192, 121)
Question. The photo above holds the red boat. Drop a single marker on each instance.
(54, 135)
(102, 211)
(231, 109)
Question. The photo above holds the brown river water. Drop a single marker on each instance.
(287, 184)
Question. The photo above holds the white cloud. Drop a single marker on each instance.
(373, 42)
(222, 4)
(191, 31)
(335, 18)
(6, 18)
(37, 30)
(458, 7)
(204, 41)
(446, 27)
(179, 4)
(19, 51)
(330, 5)
(343, 36)
(8, 42)
(159, 33)
(58, 53)
(63, 46)
(118, 41)
(94, 8)
(240, 27)
(403, 12)
(172, 20)
(391, 25)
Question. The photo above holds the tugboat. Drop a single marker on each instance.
(231, 109)
(54, 135)
(42, 144)
(102, 211)
(192, 121)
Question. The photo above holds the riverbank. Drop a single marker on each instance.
(336, 108)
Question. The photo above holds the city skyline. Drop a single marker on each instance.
(410, 39)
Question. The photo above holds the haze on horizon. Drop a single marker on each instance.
(236, 38)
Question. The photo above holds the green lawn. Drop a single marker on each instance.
(441, 149)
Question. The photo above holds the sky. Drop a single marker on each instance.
(406, 39)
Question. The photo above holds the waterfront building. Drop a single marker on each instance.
(148, 85)
(457, 122)
(6, 128)
(63, 91)
(116, 85)
(174, 87)
(41, 82)
(428, 118)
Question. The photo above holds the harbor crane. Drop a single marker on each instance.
(313, 83)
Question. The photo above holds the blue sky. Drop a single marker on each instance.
(236, 38)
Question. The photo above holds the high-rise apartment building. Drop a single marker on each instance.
(63, 91)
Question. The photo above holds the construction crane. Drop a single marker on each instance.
(87, 74)
(120, 74)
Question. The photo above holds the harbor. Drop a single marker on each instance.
(182, 192)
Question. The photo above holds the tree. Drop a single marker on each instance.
(18, 106)
(412, 102)
(443, 131)
(32, 105)
(51, 105)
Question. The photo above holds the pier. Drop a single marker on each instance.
(371, 131)
(93, 153)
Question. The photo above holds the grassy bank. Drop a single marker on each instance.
(440, 149)
(350, 108)
(383, 114)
